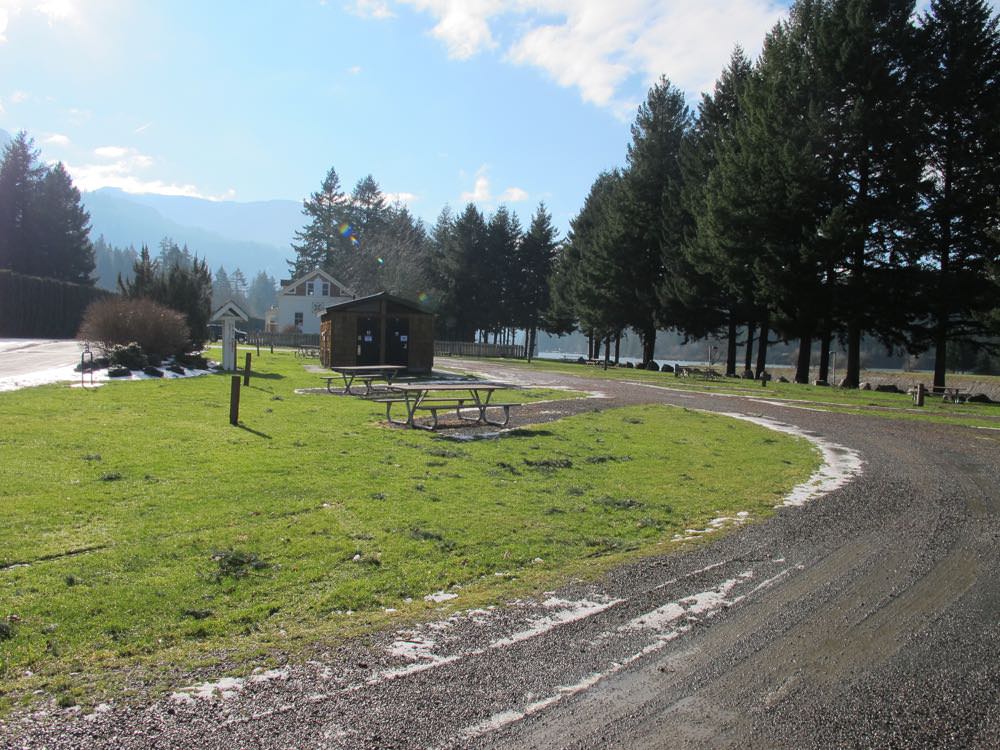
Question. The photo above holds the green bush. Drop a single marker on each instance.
(154, 328)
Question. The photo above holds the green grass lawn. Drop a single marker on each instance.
(141, 534)
(887, 405)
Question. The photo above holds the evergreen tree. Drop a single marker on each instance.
(262, 294)
(870, 149)
(960, 98)
(62, 229)
(766, 193)
(144, 278)
(457, 267)
(602, 283)
(709, 284)
(530, 292)
(20, 178)
(498, 269)
(652, 223)
(320, 244)
(222, 288)
(110, 262)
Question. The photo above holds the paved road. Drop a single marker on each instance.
(867, 618)
(26, 356)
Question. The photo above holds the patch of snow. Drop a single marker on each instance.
(68, 374)
(840, 464)
(440, 596)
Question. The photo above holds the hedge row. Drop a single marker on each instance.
(32, 307)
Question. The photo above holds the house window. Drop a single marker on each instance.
(298, 320)
(326, 289)
(310, 288)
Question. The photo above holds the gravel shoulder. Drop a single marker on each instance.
(865, 618)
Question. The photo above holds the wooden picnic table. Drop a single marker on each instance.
(421, 397)
(367, 374)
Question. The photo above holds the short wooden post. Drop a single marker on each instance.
(246, 371)
(234, 400)
(918, 397)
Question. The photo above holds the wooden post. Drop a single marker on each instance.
(234, 400)
(918, 397)
(246, 371)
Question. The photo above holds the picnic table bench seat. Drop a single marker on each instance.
(435, 405)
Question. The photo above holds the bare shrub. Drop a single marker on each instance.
(118, 321)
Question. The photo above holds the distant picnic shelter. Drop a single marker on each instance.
(378, 330)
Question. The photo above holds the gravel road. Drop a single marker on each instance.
(869, 617)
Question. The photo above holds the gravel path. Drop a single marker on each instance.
(867, 618)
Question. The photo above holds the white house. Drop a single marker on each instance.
(302, 300)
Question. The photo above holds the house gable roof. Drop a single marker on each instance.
(288, 287)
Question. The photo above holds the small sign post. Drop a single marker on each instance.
(234, 400)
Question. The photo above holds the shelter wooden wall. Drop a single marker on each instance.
(339, 332)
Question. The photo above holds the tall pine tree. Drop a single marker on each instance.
(960, 98)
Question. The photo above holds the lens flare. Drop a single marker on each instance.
(380, 261)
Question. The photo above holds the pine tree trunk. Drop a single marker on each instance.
(531, 333)
(852, 379)
(940, 353)
(762, 346)
(618, 347)
(590, 346)
(805, 357)
(607, 350)
(824, 355)
(748, 360)
(731, 348)
(648, 344)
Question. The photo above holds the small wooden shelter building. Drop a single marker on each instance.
(377, 330)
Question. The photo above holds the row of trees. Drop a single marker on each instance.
(362, 240)
(44, 229)
(256, 296)
(481, 275)
(845, 184)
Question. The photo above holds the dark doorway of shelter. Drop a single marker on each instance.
(397, 345)
(368, 341)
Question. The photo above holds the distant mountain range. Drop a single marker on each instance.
(251, 236)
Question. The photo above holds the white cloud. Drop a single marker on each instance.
(124, 171)
(482, 193)
(57, 10)
(597, 46)
(370, 9)
(463, 25)
(514, 195)
(401, 197)
(142, 128)
(4, 20)
(56, 139)
(18, 96)
(481, 188)
(111, 152)
(354, 70)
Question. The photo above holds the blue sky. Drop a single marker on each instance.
(442, 101)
